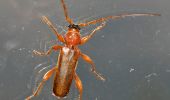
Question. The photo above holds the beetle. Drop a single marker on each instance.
(65, 70)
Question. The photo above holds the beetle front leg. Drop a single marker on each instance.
(89, 60)
(56, 47)
(86, 38)
(51, 26)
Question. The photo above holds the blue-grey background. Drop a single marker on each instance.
(133, 53)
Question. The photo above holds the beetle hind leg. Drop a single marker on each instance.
(79, 85)
(45, 78)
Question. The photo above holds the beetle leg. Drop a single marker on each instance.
(45, 78)
(89, 60)
(56, 47)
(86, 38)
(78, 84)
(49, 23)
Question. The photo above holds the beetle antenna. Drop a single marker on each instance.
(121, 16)
(68, 19)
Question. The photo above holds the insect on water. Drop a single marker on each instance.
(65, 70)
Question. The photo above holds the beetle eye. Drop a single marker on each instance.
(74, 26)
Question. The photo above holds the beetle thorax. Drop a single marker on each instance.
(73, 37)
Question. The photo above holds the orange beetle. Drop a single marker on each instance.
(65, 70)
